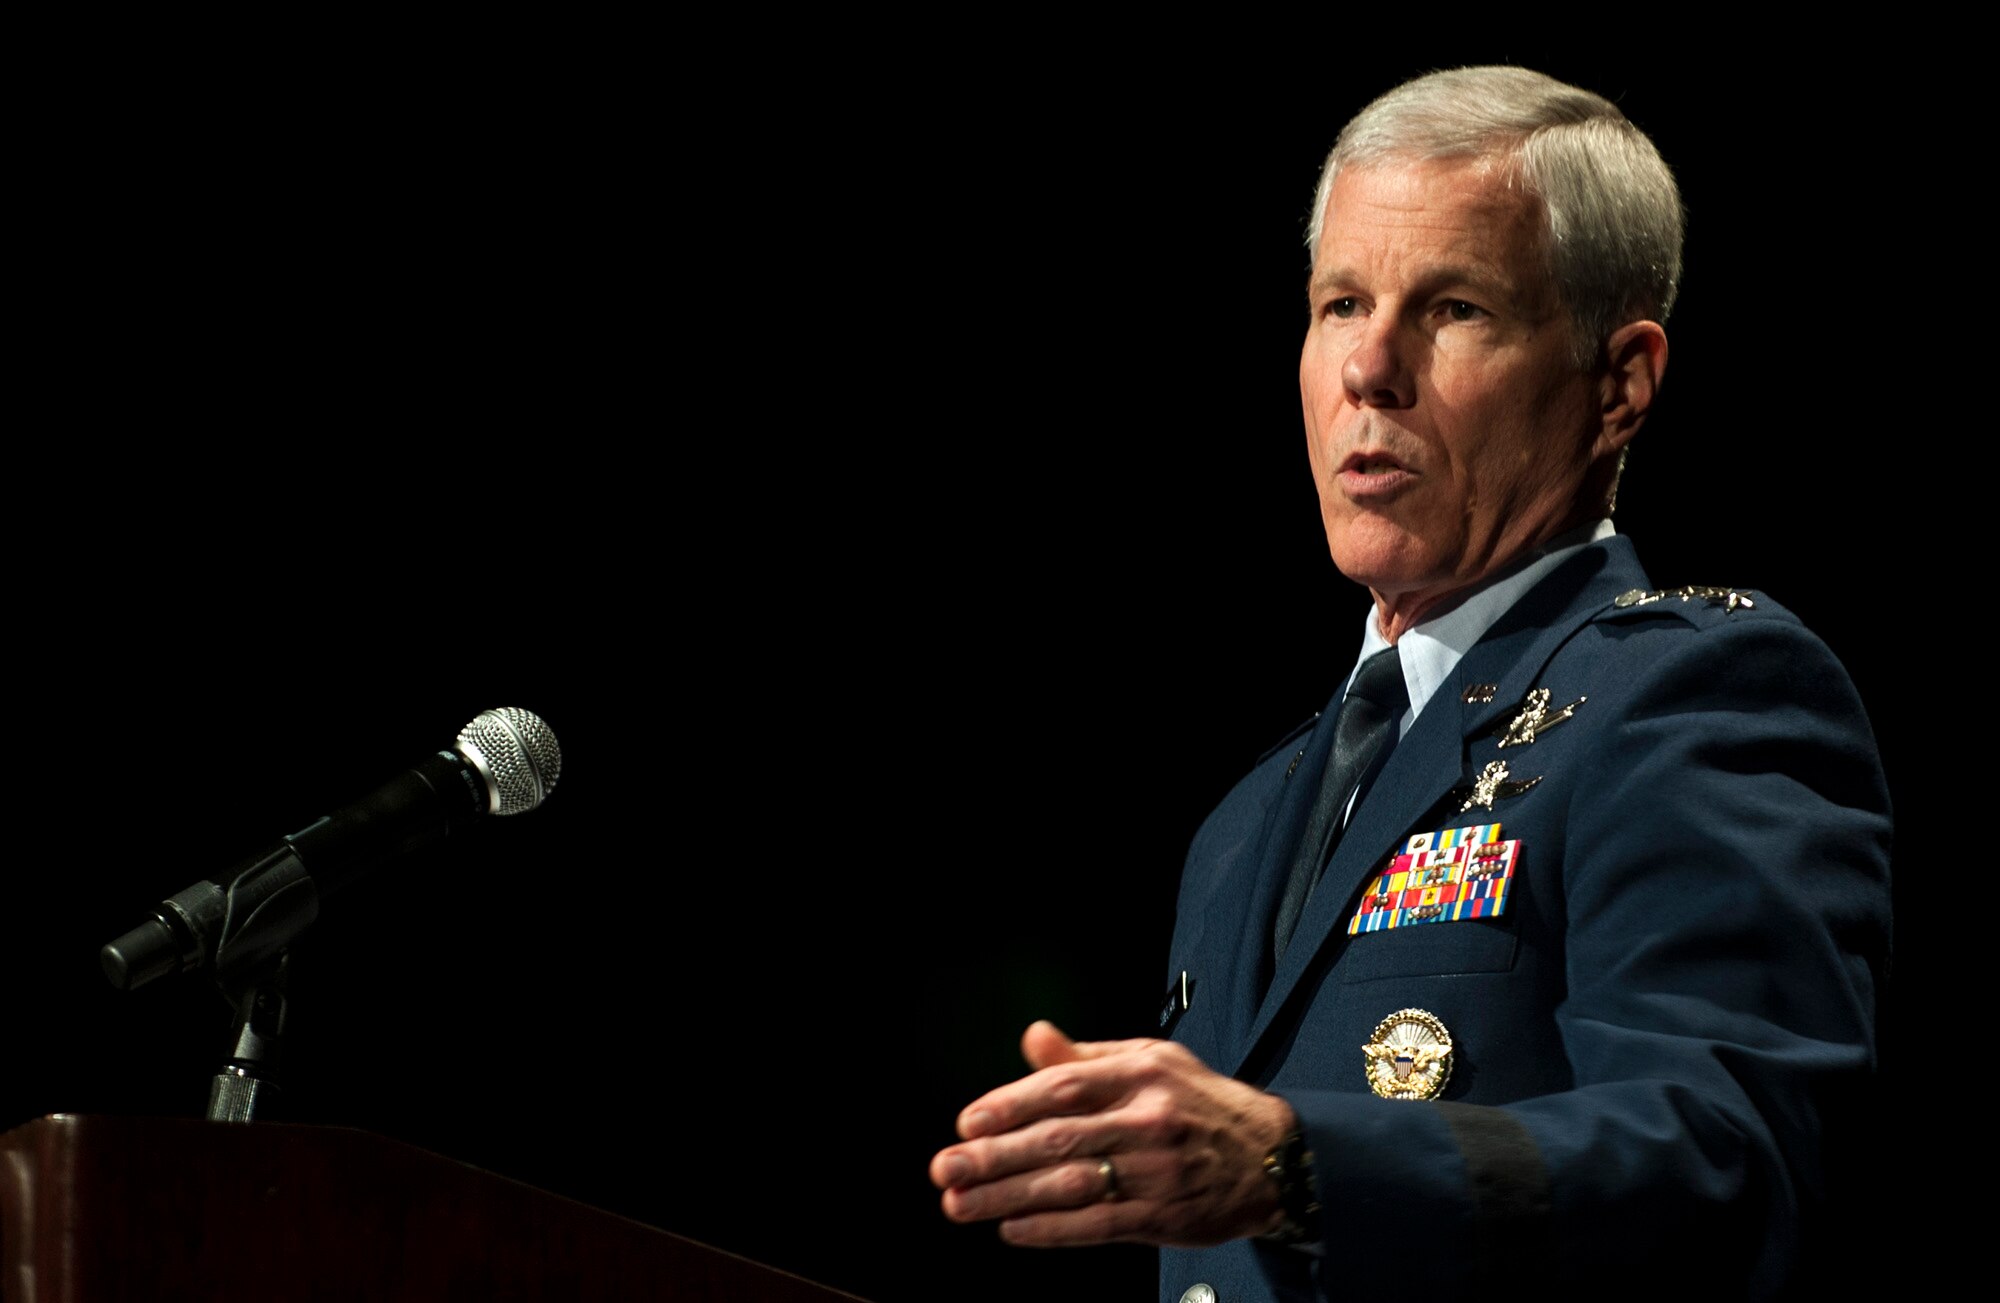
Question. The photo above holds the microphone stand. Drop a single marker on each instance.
(249, 1078)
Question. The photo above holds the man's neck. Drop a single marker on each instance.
(1395, 616)
(1398, 613)
(1432, 645)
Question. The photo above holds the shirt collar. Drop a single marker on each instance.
(1430, 651)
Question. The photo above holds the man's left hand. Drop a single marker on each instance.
(1185, 1147)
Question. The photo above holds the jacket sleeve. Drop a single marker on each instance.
(1726, 916)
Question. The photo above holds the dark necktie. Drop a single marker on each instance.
(1374, 703)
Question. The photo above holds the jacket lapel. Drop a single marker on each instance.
(1249, 932)
(1430, 759)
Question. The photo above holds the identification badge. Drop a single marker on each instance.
(1441, 877)
(1409, 1056)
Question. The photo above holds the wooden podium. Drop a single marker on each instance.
(102, 1209)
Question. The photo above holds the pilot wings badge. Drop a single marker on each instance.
(1491, 785)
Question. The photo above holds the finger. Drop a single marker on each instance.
(1074, 1184)
(1044, 1045)
(1155, 1203)
(1061, 1091)
(1099, 1223)
(1145, 1194)
(1045, 1144)
(1103, 1074)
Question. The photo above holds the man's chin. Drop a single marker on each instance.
(1385, 559)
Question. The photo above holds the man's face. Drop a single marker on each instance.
(1448, 425)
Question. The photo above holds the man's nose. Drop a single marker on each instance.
(1377, 373)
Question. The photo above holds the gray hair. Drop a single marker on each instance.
(1613, 212)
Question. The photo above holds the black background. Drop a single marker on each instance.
(884, 474)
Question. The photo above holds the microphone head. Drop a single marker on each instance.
(516, 753)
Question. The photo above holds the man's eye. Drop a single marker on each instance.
(1342, 307)
(1460, 310)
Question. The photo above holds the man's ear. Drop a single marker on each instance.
(1635, 360)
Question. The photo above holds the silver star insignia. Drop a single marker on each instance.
(1731, 598)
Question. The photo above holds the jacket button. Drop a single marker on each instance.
(1199, 1294)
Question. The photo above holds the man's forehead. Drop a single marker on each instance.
(1471, 211)
(1481, 192)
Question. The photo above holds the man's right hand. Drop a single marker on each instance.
(1115, 1141)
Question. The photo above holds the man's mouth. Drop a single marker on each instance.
(1373, 476)
(1370, 463)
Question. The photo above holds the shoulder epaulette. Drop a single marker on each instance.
(1704, 606)
(1732, 599)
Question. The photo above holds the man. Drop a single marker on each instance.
(1539, 956)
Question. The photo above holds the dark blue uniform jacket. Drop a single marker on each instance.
(1645, 1039)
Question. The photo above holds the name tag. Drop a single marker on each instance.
(1178, 997)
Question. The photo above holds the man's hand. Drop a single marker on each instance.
(1186, 1147)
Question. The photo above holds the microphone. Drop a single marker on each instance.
(505, 761)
